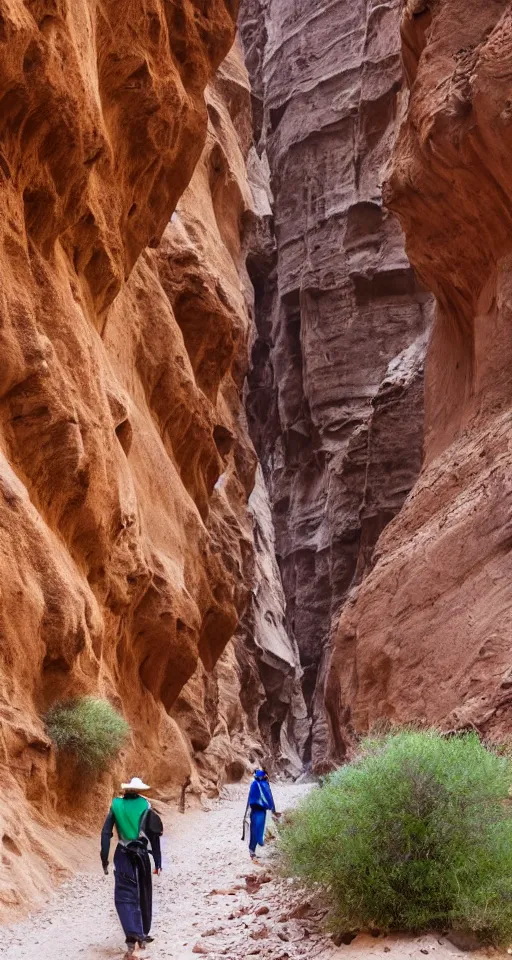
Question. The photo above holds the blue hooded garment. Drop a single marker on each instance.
(260, 794)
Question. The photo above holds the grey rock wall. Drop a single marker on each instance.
(335, 392)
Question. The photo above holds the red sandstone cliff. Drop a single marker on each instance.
(336, 385)
(138, 552)
(427, 636)
(126, 543)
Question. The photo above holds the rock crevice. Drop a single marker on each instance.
(335, 386)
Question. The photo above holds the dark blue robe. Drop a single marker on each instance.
(260, 802)
(132, 874)
(133, 893)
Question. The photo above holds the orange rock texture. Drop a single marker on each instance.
(126, 544)
(427, 636)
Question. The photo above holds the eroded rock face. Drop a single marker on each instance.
(125, 465)
(335, 404)
(271, 688)
(427, 637)
(249, 709)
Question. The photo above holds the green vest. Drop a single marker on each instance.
(128, 815)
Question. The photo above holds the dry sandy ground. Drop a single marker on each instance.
(203, 853)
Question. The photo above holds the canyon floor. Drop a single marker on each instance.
(209, 901)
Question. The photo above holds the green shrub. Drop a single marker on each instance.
(89, 728)
(415, 833)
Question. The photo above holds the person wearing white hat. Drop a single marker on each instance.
(137, 825)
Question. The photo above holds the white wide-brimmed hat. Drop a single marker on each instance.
(135, 784)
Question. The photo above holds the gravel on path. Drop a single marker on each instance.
(209, 901)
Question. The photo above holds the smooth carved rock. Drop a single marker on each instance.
(339, 434)
(125, 468)
(426, 638)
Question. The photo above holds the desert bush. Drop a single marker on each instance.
(88, 728)
(415, 833)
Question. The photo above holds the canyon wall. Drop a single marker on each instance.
(127, 546)
(335, 400)
(427, 636)
(268, 658)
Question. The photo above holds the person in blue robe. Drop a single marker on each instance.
(260, 801)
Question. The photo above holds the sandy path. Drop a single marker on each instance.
(202, 852)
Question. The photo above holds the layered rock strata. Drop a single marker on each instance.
(335, 400)
(427, 636)
(126, 544)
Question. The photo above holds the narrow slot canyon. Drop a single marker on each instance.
(255, 438)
